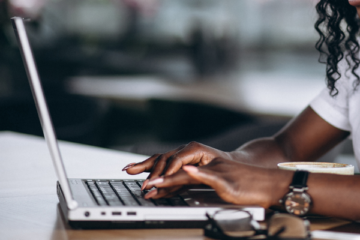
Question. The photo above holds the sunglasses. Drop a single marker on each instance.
(235, 224)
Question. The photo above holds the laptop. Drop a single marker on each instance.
(116, 203)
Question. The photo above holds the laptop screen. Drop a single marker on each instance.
(43, 112)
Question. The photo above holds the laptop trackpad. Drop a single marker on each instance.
(203, 197)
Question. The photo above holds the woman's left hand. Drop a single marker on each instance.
(233, 181)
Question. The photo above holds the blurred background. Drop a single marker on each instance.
(147, 75)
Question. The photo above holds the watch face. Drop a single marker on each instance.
(297, 203)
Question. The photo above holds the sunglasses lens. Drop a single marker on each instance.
(288, 226)
(234, 222)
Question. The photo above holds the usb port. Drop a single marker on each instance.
(131, 213)
(116, 213)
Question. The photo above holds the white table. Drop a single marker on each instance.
(278, 94)
(28, 200)
(20, 152)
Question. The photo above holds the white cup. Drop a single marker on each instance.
(319, 167)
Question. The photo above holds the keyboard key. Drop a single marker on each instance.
(107, 190)
(129, 201)
(114, 204)
(105, 183)
(108, 194)
(96, 193)
(121, 190)
(137, 193)
(140, 197)
(128, 193)
(132, 185)
(110, 197)
(124, 194)
(100, 201)
(140, 183)
(117, 185)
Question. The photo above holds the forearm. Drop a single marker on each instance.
(335, 195)
(305, 138)
(332, 195)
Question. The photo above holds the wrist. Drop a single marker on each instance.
(280, 182)
(272, 186)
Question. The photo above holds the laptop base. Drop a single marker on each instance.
(123, 224)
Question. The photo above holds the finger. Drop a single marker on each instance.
(192, 153)
(176, 161)
(205, 176)
(144, 166)
(144, 184)
(151, 194)
(173, 191)
(168, 192)
(164, 192)
(179, 178)
(161, 162)
(128, 166)
(159, 166)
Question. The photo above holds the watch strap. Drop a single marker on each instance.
(299, 179)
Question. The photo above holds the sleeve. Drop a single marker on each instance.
(334, 109)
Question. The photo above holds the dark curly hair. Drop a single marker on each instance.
(334, 43)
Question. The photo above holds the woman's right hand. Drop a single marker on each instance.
(233, 181)
(168, 163)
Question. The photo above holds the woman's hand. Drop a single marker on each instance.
(169, 163)
(332, 195)
(233, 181)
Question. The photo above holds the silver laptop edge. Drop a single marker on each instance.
(43, 112)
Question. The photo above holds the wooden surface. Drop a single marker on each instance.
(28, 201)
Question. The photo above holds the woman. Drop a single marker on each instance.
(248, 175)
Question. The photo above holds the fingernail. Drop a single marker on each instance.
(156, 181)
(151, 194)
(191, 169)
(128, 166)
(145, 183)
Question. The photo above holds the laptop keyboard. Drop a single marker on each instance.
(126, 193)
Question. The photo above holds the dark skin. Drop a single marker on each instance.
(248, 175)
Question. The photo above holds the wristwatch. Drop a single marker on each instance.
(298, 201)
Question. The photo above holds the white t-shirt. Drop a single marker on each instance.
(343, 110)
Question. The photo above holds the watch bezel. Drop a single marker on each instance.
(298, 194)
